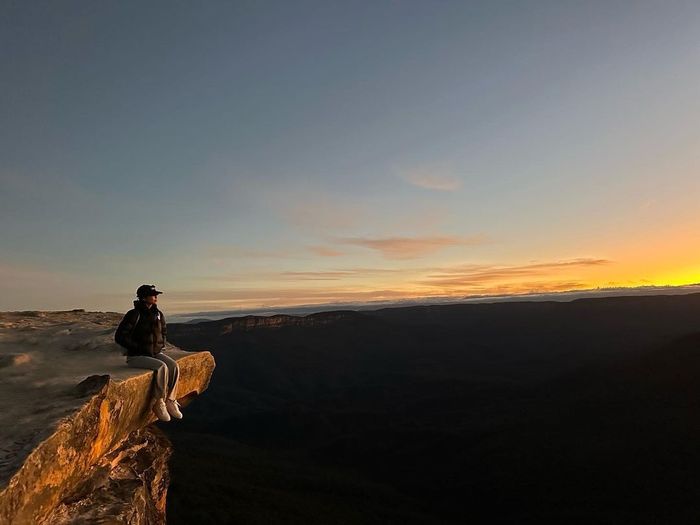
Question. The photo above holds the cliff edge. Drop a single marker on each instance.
(77, 443)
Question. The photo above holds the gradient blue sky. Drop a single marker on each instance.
(248, 154)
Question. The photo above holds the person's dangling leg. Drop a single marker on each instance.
(171, 403)
(160, 381)
(173, 374)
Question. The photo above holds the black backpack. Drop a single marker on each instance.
(125, 351)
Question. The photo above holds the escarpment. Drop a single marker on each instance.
(251, 322)
(77, 443)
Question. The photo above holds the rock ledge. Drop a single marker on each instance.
(77, 444)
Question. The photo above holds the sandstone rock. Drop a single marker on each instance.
(77, 444)
(127, 485)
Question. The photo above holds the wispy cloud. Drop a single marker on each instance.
(474, 275)
(278, 295)
(530, 287)
(317, 276)
(255, 275)
(449, 278)
(432, 177)
(325, 251)
(341, 273)
(220, 252)
(390, 247)
(410, 247)
(315, 210)
(354, 284)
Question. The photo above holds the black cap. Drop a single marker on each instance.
(147, 289)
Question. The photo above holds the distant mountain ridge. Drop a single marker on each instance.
(563, 296)
(251, 322)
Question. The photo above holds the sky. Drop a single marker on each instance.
(267, 154)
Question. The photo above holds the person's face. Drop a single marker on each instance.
(150, 299)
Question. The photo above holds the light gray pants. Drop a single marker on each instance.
(166, 373)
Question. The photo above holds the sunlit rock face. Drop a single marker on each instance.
(77, 444)
(127, 485)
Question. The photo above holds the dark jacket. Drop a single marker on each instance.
(145, 337)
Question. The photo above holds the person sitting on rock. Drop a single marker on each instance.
(142, 332)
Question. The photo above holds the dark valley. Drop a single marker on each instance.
(517, 412)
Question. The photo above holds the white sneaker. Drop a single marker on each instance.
(161, 411)
(173, 408)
